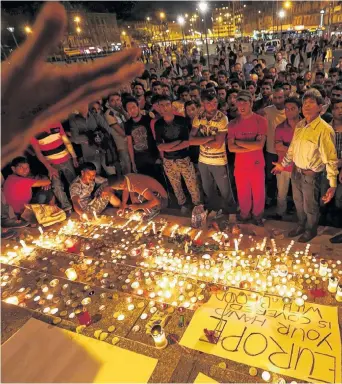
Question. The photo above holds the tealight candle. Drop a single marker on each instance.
(266, 376)
(71, 274)
(338, 296)
(333, 283)
(159, 338)
(12, 300)
(323, 266)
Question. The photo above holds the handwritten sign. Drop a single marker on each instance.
(301, 342)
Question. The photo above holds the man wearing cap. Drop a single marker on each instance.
(209, 131)
(247, 137)
(312, 151)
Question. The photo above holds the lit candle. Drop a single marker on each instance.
(266, 376)
(95, 215)
(12, 300)
(333, 283)
(71, 274)
(85, 217)
(40, 230)
(338, 296)
(159, 338)
(154, 227)
(323, 266)
(299, 301)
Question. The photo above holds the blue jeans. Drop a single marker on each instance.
(68, 170)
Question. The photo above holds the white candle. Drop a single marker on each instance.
(338, 296)
(12, 300)
(95, 215)
(159, 338)
(85, 217)
(323, 266)
(40, 230)
(333, 283)
(71, 274)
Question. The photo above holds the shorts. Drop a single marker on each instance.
(152, 212)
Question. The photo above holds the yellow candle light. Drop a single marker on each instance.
(333, 283)
(71, 274)
(12, 300)
(159, 338)
(338, 296)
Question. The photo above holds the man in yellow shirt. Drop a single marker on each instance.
(312, 151)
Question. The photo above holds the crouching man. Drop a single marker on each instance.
(90, 193)
(145, 193)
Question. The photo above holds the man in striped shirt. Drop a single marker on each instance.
(54, 150)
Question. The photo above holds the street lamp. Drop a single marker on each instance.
(281, 16)
(28, 29)
(181, 22)
(287, 4)
(203, 7)
(322, 12)
(162, 16)
(11, 29)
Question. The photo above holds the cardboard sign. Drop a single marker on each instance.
(302, 342)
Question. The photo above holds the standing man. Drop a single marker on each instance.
(312, 151)
(275, 115)
(246, 138)
(283, 137)
(209, 131)
(172, 137)
(56, 153)
(141, 145)
(116, 117)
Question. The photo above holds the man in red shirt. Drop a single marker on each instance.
(283, 137)
(54, 150)
(18, 187)
(246, 137)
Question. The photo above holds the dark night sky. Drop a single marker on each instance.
(128, 10)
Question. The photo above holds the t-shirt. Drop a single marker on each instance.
(52, 145)
(18, 191)
(248, 129)
(218, 124)
(284, 134)
(274, 117)
(142, 138)
(84, 191)
(178, 129)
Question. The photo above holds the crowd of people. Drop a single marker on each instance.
(234, 137)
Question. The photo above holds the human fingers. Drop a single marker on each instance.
(89, 92)
(81, 74)
(47, 32)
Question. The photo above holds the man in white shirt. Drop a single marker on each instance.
(241, 59)
(280, 63)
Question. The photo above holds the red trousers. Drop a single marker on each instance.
(250, 184)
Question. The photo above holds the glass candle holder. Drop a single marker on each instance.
(159, 337)
(338, 296)
(332, 285)
(323, 268)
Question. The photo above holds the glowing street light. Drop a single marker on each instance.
(203, 7)
(281, 16)
(28, 30)
(162, 15)
(11, 29)
(148, 18)
(77, 19)
(322, 12)
(287, 4)
(78, 30)
(181, 20)
(123, 33)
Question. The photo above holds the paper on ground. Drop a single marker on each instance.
(41, 353)
(203, 379)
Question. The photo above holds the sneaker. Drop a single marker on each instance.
(307, 236)
(14, 223)
(7, 233)
(296, 232)
(275, 217)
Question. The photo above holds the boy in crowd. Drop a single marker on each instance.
(18, 187)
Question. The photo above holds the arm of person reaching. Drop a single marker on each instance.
(42, 183)
(76, 204)
(53, 172)
(152, 201)
(131, 153)
(70, 149)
